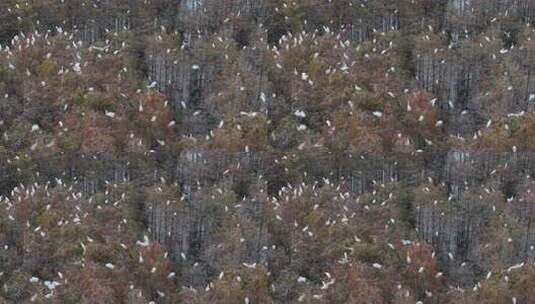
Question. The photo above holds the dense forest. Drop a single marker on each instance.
(267, 151)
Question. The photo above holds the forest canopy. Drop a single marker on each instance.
(267, 151)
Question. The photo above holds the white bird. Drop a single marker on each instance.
(110, 114)
(250, 266)
(145, 243)
(301, 128)
(406, 242)
(300, 113)
(77, 69)
(517, 266)
(51, 285)
(378, 114)
(110, 266)
(326, 285)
